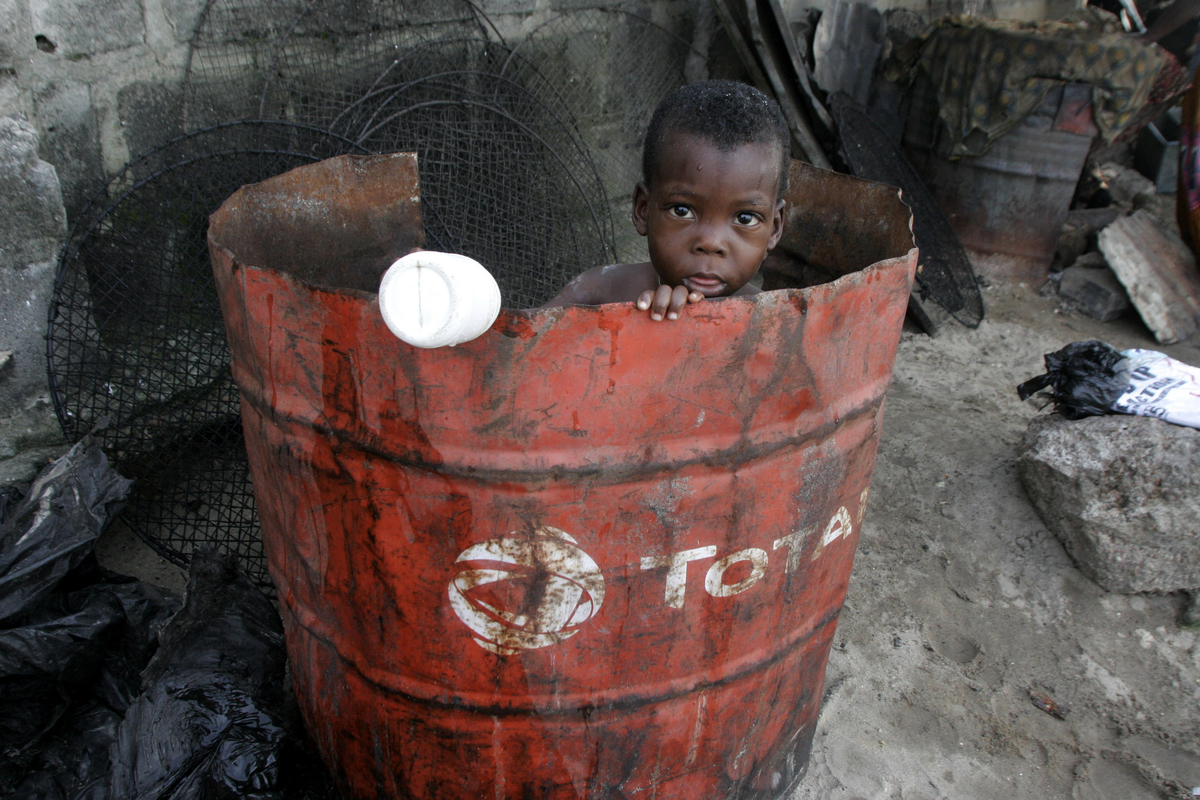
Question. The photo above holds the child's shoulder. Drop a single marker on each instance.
(612, 283)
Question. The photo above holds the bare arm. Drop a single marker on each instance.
(614, 283)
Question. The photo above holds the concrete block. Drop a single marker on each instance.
(183, 17)
(35, 224)
(70, 139)
(150, 115)
(1094, 289)
(13, 100)
(73, 28)
(1159, 272)
(1123, 495)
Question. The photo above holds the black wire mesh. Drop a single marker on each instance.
(944, 272)
(136, 337)
(241, 46)
(507, 177)
(619, 65)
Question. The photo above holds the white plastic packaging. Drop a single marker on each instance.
(1159, 386)
(431, 299)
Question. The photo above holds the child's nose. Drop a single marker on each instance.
(710, 240)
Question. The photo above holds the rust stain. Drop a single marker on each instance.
(613, 326)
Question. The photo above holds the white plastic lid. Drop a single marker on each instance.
(430, 299)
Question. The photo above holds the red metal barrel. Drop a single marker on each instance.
(584, 555)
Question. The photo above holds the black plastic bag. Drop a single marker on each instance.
(50, 661)
(146, 609)
(207, 724)
(56, 525)
(74, 637)
(9, 497)
(1086, 378)
(72, 757)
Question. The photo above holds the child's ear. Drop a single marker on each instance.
(641, 208)
(778, 217)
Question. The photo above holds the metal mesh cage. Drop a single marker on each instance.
(240, 46)
(944, 273)
(620, 66)
(136, 336)
(136, 343)
(504, 175)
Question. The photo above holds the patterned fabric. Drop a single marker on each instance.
(991, 74)
(1187, 195)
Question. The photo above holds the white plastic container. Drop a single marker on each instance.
(430, 299)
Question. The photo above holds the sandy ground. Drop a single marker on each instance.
(962, 603)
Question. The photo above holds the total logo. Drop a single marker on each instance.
(523, 592)
(530, 590)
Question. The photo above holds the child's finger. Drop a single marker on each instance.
(679, 299)
(694, 297)
(662, 299)
(644, 299)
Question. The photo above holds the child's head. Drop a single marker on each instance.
(728, 114)
(714, 173)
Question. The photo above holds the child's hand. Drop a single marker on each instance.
(665, 302)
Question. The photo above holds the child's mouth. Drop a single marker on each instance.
(703, 283)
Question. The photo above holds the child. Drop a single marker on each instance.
(710, 202)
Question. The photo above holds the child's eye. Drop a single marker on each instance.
(746, 218)
(683, 212)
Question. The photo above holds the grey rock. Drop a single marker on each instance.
(1072, 242)
(73, 28)
(1092, 260)
(1125, 185)
(1122, 493)
(1091, 220)
(12, 34)
(33, 231)
(35, 223)
(1078, 233)
(1095, 290)
(70, 140)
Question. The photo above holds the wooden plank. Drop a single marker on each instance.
(735, 26)
(785, 92)
(799, 67)
(1159, 272)
(741, 45)
(927, 313)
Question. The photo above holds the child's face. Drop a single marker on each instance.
(711, 216)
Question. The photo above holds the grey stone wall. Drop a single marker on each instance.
(68, 118)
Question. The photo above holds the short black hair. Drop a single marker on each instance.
(729, 114)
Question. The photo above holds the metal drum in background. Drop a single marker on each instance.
(1008, 205)
(583, 555)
